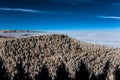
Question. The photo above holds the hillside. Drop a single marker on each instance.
(57, 54)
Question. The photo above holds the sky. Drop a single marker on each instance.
(59, 14)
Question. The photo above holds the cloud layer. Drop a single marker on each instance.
(108, 38)
(109, 17)
(30, 11)
(21, 10)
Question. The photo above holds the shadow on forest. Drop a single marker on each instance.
(82, 73)
(3, 72)
(43, 74)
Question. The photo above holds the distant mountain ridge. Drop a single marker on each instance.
(10, 34)
(16, 31)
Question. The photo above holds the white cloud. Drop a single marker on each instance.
(31, 11)
(19, 9)
(108, 38)
(105, 37)
(109, 17)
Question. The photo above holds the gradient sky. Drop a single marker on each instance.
(59, 14)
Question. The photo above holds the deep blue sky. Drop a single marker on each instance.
(59, 14)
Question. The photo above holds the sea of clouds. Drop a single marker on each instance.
(108, 38)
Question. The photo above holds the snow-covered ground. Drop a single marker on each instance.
(108, 38)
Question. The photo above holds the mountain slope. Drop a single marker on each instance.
(54, 50)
